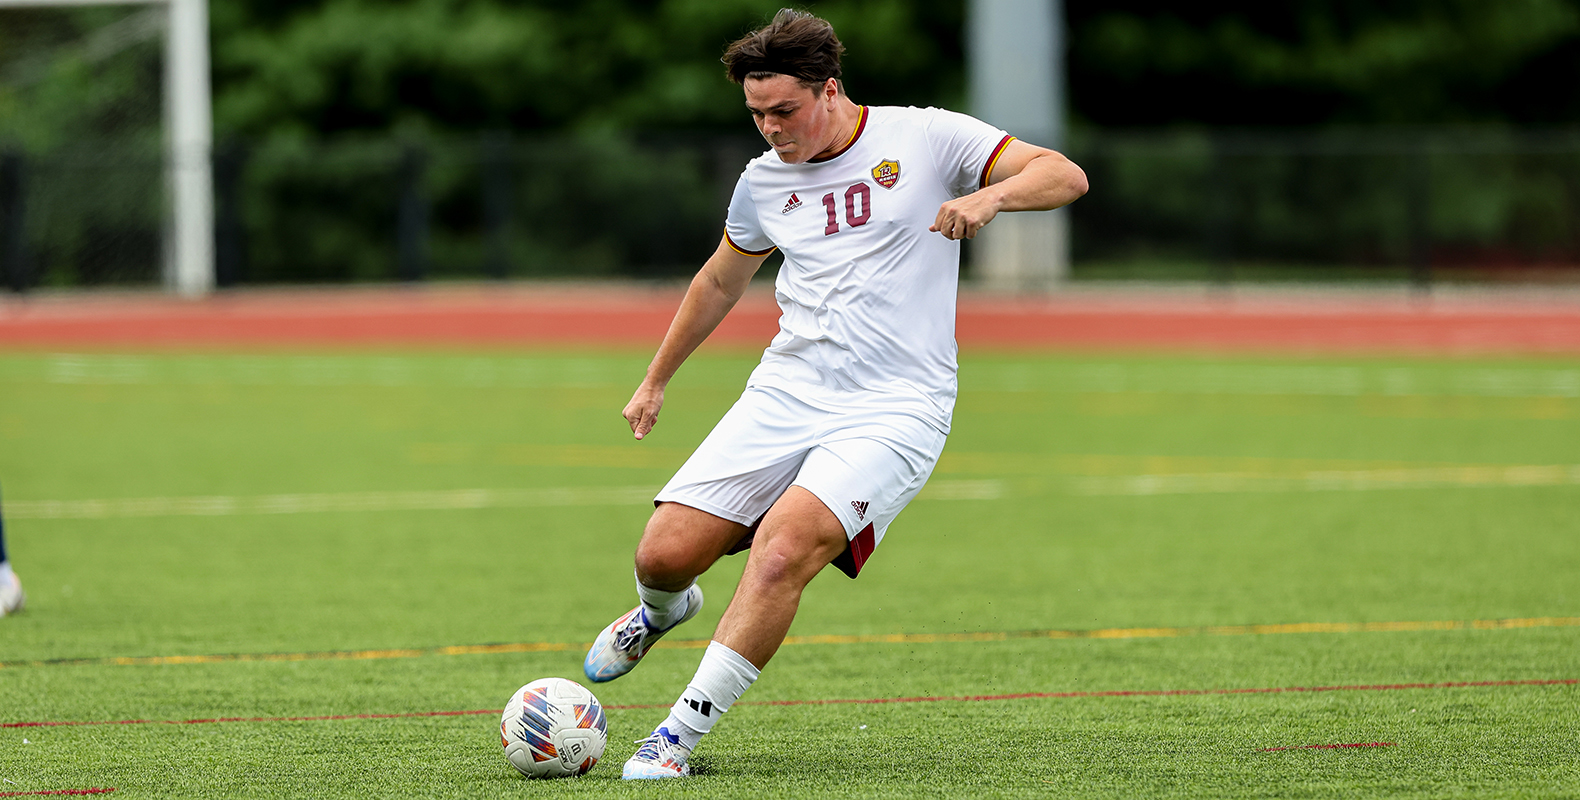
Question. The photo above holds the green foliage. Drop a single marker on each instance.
(1139, 62)
(321, 97)
(590, 205)
(1362, 198)
(447, 65)
(76, 76)
(313, 68)
(83, 87)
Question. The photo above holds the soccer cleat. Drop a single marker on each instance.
(660, 756)
(622, 644)
(12, 599)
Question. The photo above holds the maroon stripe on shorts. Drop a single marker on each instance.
(861, 546)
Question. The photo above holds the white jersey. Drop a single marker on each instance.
(867, 293)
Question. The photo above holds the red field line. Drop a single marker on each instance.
(213, 720)
(619, 314)
(1325, 746)
(94, 790)
(1380, 687)
(1384, 687)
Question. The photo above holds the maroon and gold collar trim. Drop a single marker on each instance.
(861, 125)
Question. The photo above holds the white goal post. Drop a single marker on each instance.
(1016, 72)
(189, 139)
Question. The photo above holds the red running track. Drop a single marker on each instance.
(514, 315)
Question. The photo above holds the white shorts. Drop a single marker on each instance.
(864, 465)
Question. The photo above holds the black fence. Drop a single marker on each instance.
(1398, 205)
(1212, 205)
(87, 215)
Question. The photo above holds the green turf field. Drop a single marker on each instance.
(339, 527)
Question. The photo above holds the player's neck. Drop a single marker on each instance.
(847, 115)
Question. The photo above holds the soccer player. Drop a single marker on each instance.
(844, 418)
(11, 597)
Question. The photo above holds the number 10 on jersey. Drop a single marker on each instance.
(859, 194)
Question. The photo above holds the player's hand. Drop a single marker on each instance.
(642, 411)
(962, 217)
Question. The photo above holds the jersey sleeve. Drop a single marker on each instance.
(964, 149)
(742, 229)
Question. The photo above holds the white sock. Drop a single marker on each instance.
(5, 570)
(663, 608)
(721, 679)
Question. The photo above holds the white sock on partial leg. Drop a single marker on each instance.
(5, 569)
(663, 608)
(721, 679)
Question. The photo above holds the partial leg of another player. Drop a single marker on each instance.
(797, 538)
(11, 597)
(679, 543)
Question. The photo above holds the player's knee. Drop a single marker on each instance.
(774, 564)
(667, 555)
(794, 559)
(663, 562)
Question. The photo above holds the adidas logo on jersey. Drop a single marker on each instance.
(795, 203)
(861, 508)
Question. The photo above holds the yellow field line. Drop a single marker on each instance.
(1333, 480)
(826, 639)
(1162, 633)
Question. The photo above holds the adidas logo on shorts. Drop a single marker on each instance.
(861, 508)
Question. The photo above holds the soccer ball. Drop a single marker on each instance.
(553, 728)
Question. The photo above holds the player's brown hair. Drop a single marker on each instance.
(795, 44)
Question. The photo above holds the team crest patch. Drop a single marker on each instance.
(887, 173)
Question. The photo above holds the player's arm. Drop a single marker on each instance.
(1025, 178)
(715, 290)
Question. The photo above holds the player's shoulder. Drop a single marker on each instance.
(761, 167)
(765, 160)
(769, 163)
(912, 115)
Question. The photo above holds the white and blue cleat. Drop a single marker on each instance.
(660, 756)
(620, 646)
(12, 598)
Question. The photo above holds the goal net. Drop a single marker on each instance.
(104, 155)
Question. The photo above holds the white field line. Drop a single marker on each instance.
(336, 371)
(1333, 480)
(1248, 379)
(224, 505)
(1197, 483)
(1237, 379)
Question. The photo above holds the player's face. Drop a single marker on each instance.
(798, 122)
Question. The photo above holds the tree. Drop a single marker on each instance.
(321, 68)
(1314, 62)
